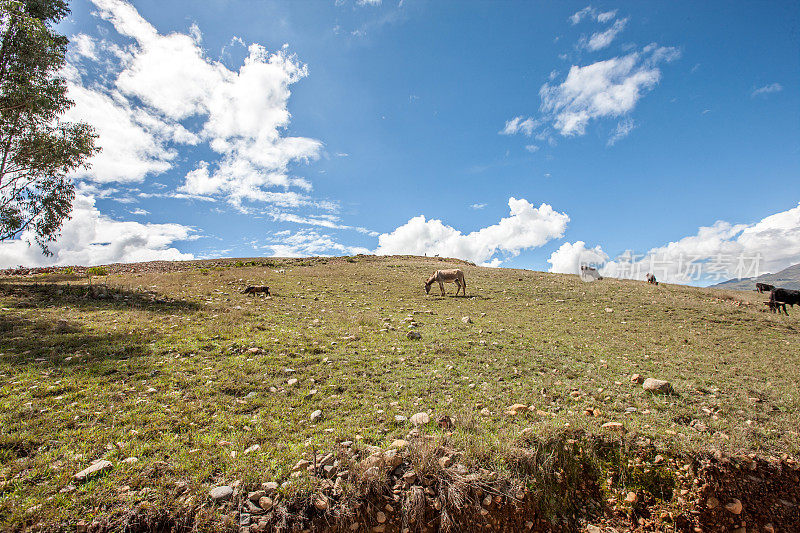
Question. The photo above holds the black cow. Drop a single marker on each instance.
(764, 287)
(651, 279)
(780, 297)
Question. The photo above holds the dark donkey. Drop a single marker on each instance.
(764, 287)
(778, 299)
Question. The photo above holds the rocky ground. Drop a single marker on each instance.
(156, 396)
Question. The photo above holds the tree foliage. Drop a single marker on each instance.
(38, 150)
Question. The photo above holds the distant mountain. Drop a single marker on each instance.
(788, 278)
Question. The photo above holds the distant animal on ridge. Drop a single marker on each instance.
(764, 287)
(651, 279)
(253, 289)
(454, 275)
(589, 273)
(778, 298)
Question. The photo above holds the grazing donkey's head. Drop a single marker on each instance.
(428, 284)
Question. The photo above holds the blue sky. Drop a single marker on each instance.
(305, 128)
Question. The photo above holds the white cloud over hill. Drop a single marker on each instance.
(526, 227)
(92, 238)
(715, 253)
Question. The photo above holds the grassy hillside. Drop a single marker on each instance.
(204, 386)
(788, 278)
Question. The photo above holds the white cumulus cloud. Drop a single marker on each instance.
(162, 92)
(608, 88)
(526, 227)
(715, 253)
(92, 238)
(569, 257)
(305, 243)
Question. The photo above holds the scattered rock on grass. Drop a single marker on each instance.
(414, 335)
(301, 465)
(220, 493)
(517, 408)
(265, 502)
(613, 426)
(269, 487)
(636, 378)
(466, 320)
(421, 418)
(657, 385)
(316, 416)
(96, 468)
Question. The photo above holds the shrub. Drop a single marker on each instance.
(97, 271)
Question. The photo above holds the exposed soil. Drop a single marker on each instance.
(385, 498)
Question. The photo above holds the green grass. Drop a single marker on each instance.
(180, 370)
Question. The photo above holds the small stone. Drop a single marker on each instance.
(613, 426)
(130, 460)
(316, 416)
(399, 444)
(445, 461)
(220, 493)
(735, 506)
(321, 503)
(420, 418)
(658, 459)
(636, 378)
(292, 382)
(631, 497)
(657, 385)
(380, 516)
(256, 495)
(265, 502)
(593, 529)
(712, 503)
(302, 464)
(516, 409)
(400, 419)
(413, 335)
(769, 528)
(269, 487)
(252, 449)
(96, 468)
(466, 320)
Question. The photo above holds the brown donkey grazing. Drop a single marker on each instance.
(454, 275)
(253, 289)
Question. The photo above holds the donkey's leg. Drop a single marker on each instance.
(441, 287)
